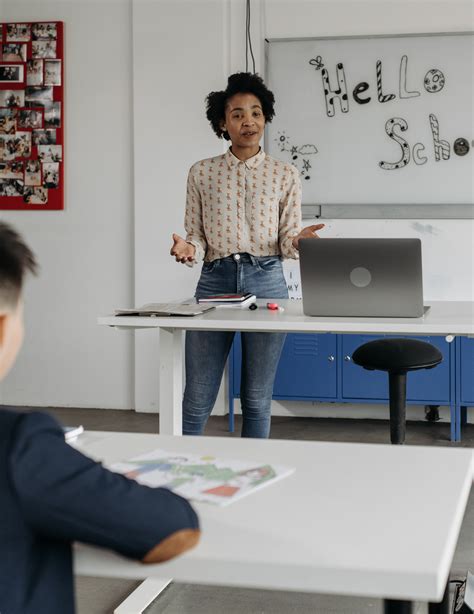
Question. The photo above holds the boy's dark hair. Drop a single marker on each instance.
(16, 259)
(238, 83)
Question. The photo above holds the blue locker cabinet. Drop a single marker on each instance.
(467, 371)
(464, 381)
(307, 368)
(319, 367)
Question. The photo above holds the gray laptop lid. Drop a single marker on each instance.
(361, 277)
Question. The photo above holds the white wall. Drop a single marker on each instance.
(85, 251)
(180, 54)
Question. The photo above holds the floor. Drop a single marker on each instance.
(101, 596)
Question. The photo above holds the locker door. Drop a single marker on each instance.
(308, 367)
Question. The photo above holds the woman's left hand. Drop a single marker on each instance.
(309, 232)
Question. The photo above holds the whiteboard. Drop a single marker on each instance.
(379, 120)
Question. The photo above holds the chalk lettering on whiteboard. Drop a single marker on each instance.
(381, 96)
(439, 145)
(434, 81)
(339, 94)
(357, 91)
(419, 159)
(461, 147)
(390, 126)
(404, 93)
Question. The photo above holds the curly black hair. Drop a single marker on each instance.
(238, 83)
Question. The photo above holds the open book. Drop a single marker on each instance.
(203, 477)
(165, 309)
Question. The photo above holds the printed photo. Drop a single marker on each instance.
(52, 115)
(52, 72)
(33, 172)
(11, 187)
(43, 49)
(16, 145)
(51, 175)
(11, 73)
(44, 137)
(11, 170)
(50, 153)
(34, 72)
(13, 112)
(7, 147)
(14, 52)
(12, 98)
(18, 32)
(44, 31)
(30, 118)
(8, 121)
(23, 144)
(38, 96)
(35, 196)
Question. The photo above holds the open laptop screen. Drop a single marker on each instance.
(361, 277)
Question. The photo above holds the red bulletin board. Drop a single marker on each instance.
(32, 116)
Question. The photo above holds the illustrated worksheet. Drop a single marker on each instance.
(203, 478)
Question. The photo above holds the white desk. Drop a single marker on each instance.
(353, 519)
(444, 318)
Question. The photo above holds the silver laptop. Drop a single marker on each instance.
(362, 277)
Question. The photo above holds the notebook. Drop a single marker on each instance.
(362, 277)
(166, 309)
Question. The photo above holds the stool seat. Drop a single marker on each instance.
(397, 355)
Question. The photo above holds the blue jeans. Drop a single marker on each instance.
(207, 351)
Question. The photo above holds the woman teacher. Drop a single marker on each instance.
(243, 216)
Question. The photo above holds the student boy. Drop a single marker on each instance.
(50, 494)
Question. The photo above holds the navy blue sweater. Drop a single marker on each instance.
(51, 495)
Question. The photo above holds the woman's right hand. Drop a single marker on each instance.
(182, 250)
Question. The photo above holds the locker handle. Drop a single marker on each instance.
(347, 358)
(331, 358)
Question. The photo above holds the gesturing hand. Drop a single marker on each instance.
(182, 250)
(309, 232)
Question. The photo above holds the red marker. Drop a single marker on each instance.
(272, 306)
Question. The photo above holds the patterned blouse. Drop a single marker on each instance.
(234, 206)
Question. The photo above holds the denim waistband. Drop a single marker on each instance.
(246, 257)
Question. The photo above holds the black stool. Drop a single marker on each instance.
(397, 356)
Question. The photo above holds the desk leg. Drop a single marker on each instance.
(171, 382)
(394, 606)
(443, 606)
(142, 596)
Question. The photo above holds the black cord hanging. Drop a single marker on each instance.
(248, 40)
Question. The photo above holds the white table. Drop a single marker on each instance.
(444, 318)
(353, 519)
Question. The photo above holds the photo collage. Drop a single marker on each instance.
(31, 115)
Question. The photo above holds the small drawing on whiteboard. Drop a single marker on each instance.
(298, 153)
(317, 62)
